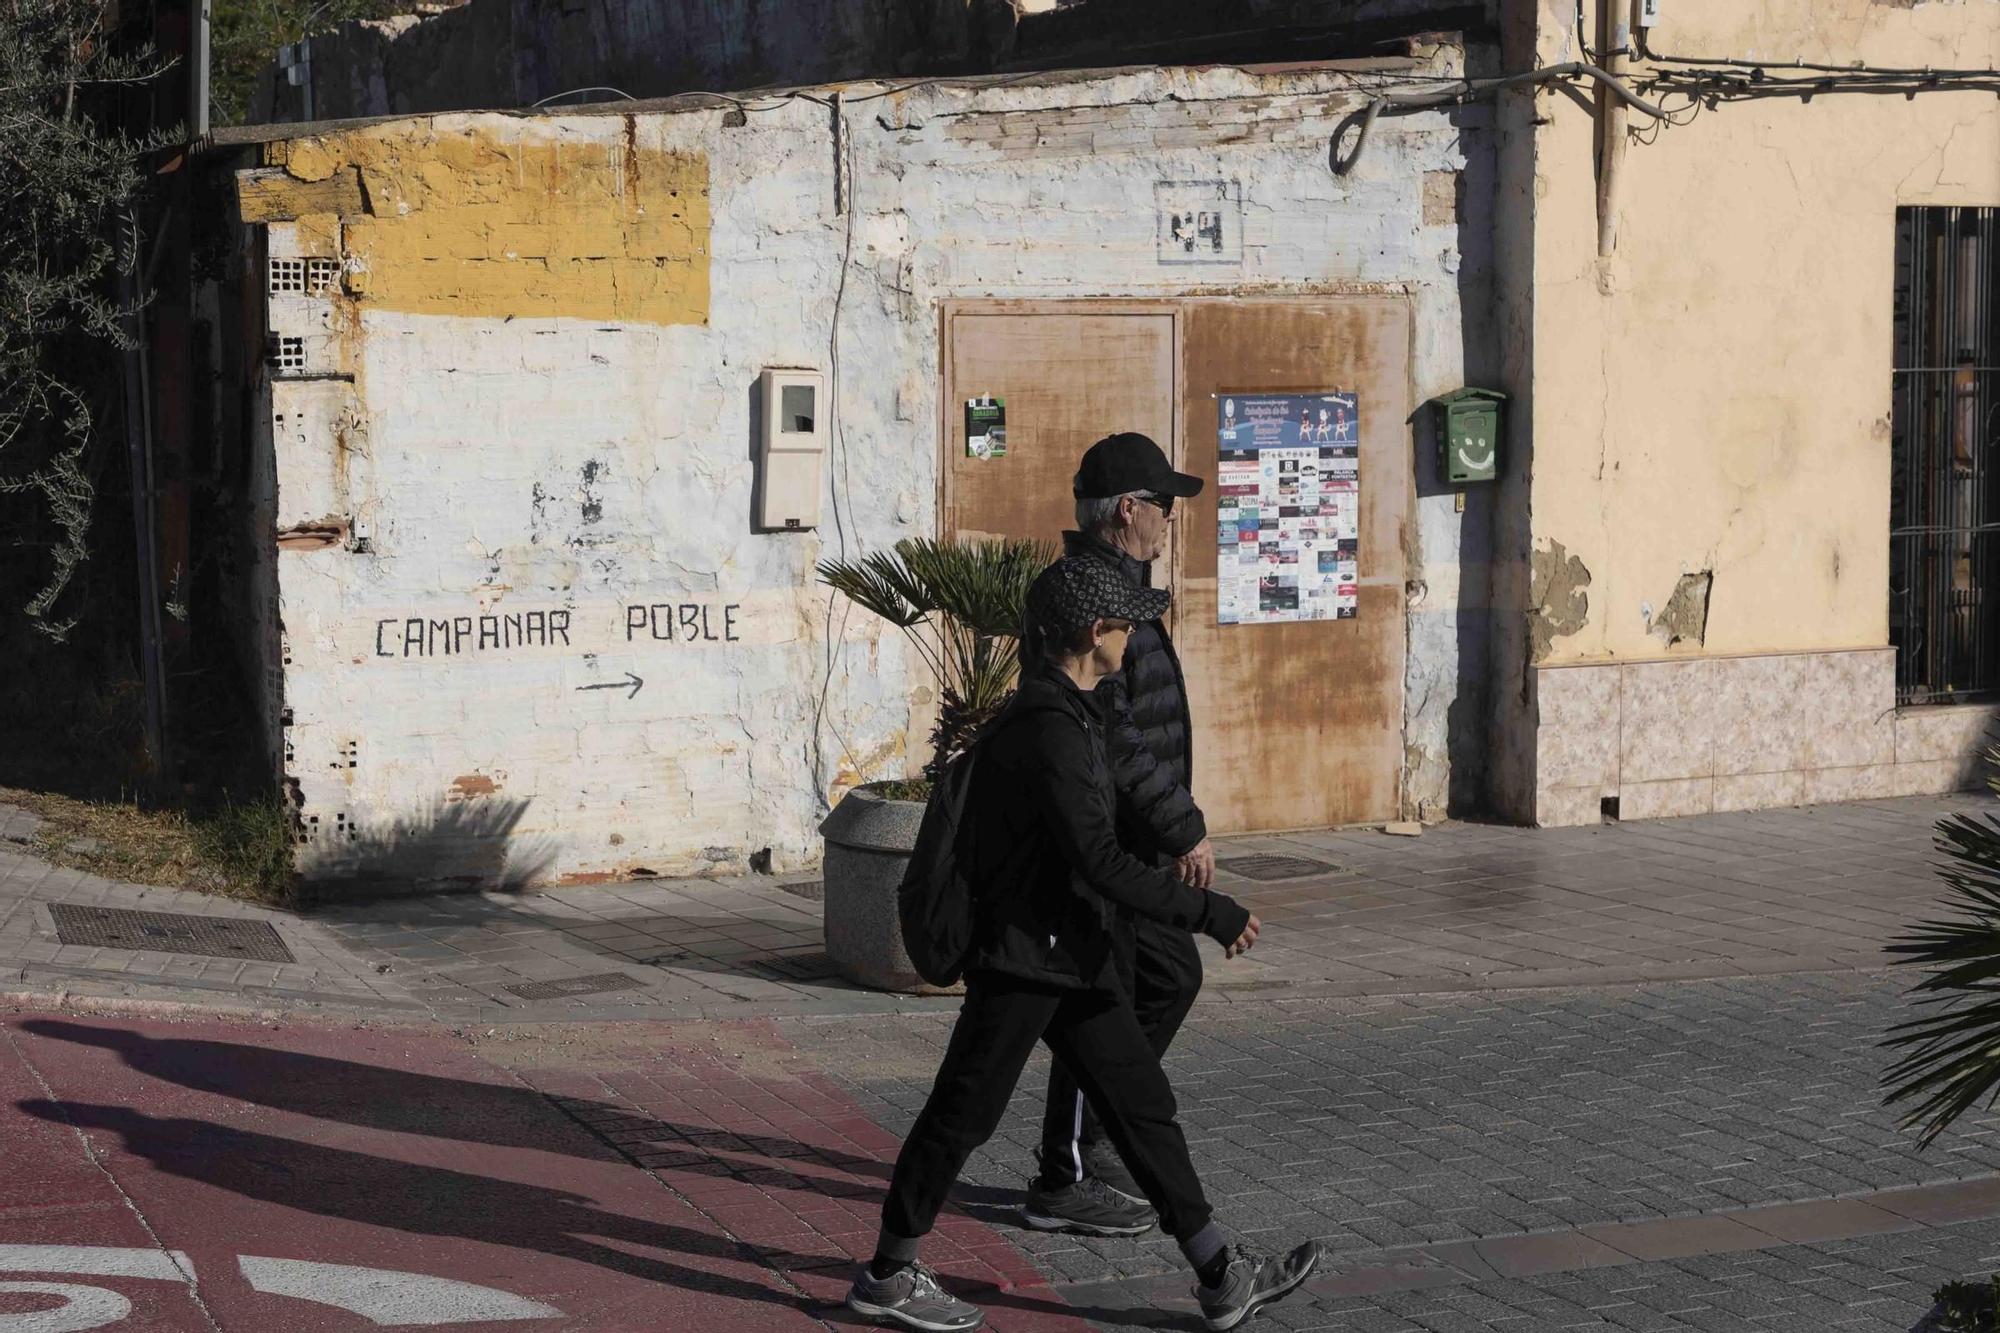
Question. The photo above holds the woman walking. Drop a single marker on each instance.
(1050, 924)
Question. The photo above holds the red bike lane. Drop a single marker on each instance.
(229, 1174)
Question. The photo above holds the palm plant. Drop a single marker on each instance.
(960, 604)
(1953, 1059)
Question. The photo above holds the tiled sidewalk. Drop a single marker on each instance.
(1706, 1155)
(1463, 907)
(1487, 907)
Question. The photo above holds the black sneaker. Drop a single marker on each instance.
(1102, 1161)
(911, 1296)
(1089, 1207)
(1252, 1281)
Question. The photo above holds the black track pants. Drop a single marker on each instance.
(1091, 1031)
(1165, 977)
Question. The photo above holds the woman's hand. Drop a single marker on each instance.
(1244, 941)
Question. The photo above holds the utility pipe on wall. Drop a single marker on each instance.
(1614, 36)
(198, 70)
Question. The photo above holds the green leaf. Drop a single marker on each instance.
(970, 598)
(1952, 1052)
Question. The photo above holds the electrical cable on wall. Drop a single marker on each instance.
(554, 97)
(1646, 52)
(843, 195)
(1709, 81)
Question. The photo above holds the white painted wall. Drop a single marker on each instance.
(509, 466)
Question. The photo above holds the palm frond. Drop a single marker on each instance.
(874, 588)
(962, 603)
(1951, 1060)
(982, 585)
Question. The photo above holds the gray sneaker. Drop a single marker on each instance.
(1252, 1281)
(911, 1296)
(1102, 1161)
(1089, 1207)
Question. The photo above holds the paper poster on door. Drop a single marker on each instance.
(1288, 504)
(986, 427)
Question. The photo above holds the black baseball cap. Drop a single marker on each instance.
(1077, 591)
(1126, 462)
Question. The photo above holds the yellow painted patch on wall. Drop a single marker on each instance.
(468, 223)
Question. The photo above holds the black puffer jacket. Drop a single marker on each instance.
(1043, 853)
(1152, 733)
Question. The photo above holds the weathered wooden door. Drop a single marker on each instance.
(1068, 379)
(1296, 725)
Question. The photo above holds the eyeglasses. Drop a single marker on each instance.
(1163, 503)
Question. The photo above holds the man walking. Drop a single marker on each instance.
(1125, 492)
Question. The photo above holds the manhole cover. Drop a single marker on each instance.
(1274, 867)
(556, 990)
(169, 932)
(813, 889)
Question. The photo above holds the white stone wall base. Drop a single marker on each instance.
(1704, 735)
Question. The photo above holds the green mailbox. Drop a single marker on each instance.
(1469, 422)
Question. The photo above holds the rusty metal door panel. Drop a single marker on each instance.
(1070, 375)
(1298, 725)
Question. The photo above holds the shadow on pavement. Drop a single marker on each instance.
(405, 1196)
(406, 1102)
(427, 1200)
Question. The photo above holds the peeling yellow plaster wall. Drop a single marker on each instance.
(468, 222)
(1715, 398)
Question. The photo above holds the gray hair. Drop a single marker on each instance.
(1096, 515)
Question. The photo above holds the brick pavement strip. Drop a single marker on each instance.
(1427, 1120)
(782, 1131)
(1865, 1282)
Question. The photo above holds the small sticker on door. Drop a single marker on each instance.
(986, 427)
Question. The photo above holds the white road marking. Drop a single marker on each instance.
(96, 1261)
(385, 1296)
(82, 1307)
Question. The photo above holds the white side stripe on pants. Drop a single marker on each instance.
(1076, 1138)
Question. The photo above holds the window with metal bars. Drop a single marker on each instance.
(1944, 481)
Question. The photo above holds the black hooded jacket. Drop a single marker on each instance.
(1048, 872)
(1151, 731)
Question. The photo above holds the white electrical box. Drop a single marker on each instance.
(1649, 12)
(790, 449)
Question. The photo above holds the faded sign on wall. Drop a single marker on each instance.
(1288, 507)
(1200, 222)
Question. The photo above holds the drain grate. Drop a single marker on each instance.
(812, 889)
(169, 932)
(1274, 867)
(591, 985)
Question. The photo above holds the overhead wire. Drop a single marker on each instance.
(574, 91)
(1645, 52)
(1712, 80)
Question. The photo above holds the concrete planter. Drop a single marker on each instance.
(868, 844)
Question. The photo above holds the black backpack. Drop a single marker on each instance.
(935, 900)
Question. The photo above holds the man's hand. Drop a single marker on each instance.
(1248, 938)
(1198, 866)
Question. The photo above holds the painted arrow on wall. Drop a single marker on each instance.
(631, 681)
